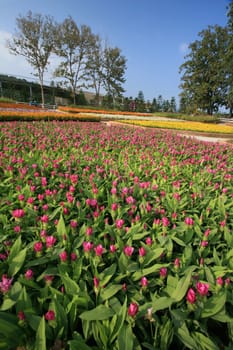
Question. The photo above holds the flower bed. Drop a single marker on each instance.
(100, 111)
(182, 125)
(114, 238)
(20, 115)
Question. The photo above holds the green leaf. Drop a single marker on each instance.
(101, 312)
(144, 272)
(183, 285)
(78, 343)
(162, 303)
(61, 228)
(40, 343)
(7, 304)
(186, 339)
(10, 332)
(109, 291)
(214, 304)
(17, 262)
(166, 333)
(205, 343)
(152, 255)
(15, 249)
(107, 274)
(71, 287)
(125, 338)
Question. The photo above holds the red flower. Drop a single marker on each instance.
(202, 288)
(128, 250)
(191, 296)
(50, 315)
(18, 213)
(133, 309)
(99, 250)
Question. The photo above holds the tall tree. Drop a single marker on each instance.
(229, 60)
(114, 66)
(34, 40)
(95, 66)
(72, 46)
(204, 77)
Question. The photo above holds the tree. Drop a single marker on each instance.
(140, 102)
(34, 40)
(229, 60)
(72, 46)
(114, 66)
(204, 77)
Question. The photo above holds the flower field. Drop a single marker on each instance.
(114, 238)
(183, 125)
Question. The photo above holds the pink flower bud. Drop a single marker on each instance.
(191, 296)
(133, 309)
(99, 250)
(163, 272)
(28, 274)
(144, 282)
(50, 315)
(63, 256)
(202, 288)
(128, 250)
(142, 251)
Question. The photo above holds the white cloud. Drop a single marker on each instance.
(183, 48)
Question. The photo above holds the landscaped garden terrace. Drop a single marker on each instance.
(114, 238)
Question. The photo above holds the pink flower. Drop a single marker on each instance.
(87, 246)
(119, 223)
(189, 221)
(21, 197)
(114, 206)
(17, 229)
(202, 288)
(50, 315)
(50, 241)
(149, 241)
(204, 243)
(128, 250)
(63, 256)
(44, 219)
(133, 309)
(21, 316)
(5, 284)
(165, 221)
(177, 263)
(28, 274)
(73, 223)
(73, 256)
(163, 272)
(48, 279)
(112, 248)
(38, 246)
(89, 231)
(18, 213)
(43, 181)
(99, 250)
(219, 281)
(191, 296)
(144, 282)
(96, 282)
(142, 251)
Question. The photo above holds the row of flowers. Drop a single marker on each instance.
(100, 111)
(45, 115)
(15, 105)
(182, 125)
(114, 238)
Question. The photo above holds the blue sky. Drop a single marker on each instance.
(152, 34)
